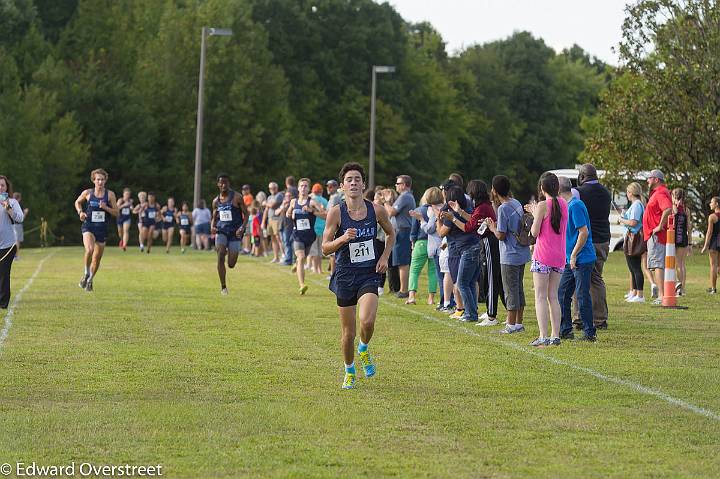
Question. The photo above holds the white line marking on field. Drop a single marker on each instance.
(7, 324)
(603, 377)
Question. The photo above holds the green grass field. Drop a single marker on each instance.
(155, 367)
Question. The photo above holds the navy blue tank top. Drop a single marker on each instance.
(169, 217)
(681, 229)
(184, 221)
(362, 252)
(151, 213)
(229, 216)
(303, 224)
(126, 209)
(96, 216)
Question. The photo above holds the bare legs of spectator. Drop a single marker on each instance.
(659, 279)
(458, 298)
(547, 305)
(648, 275)
(680, 255)
(404, 277)
(515, 317)
(447, 288)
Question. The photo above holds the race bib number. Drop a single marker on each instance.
(98, 217)
(361, 252)
(303, 224)
(184, 222)
(225, 215)
(125, 211)
(168, 219)
(151, 215)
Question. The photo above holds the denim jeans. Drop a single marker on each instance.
(468, 273)
(576, 281)
(288, 242)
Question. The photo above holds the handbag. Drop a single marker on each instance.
(634, 244)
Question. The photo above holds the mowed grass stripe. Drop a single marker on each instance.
(156, 367)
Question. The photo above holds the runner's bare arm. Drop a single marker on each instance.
(330, 244)
(213, 219)
(318, 209)
(290, 210)
(78, 204)
(113, 208)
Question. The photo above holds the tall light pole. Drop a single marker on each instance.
(206, 32)
(371, 170)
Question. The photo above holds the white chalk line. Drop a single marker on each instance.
(603, 377)
(598, 375)
(7, 320)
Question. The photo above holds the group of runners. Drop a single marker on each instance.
(350, 235)
(350, 238)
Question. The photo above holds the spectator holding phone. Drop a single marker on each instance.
(12, 214)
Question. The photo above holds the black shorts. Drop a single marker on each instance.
(350, 285)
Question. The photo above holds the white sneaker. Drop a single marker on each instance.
(654, 290)
(484, 316)
(381, 291)
(224, 291)
(629, 298)
(636, 299)
(488, 322)
(628, 294)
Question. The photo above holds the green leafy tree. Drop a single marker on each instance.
(41, 148)
(663, 110)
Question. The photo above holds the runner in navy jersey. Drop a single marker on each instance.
(168, 217)
(350, 231)
(101, 204)
(185, 222)
(151, 211)
(229, 215)
(125, 207)
(139, 210)
(302, 211)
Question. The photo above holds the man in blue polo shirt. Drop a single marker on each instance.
(580, 257)
(401, 220)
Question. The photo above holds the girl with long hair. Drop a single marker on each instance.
(632, 221)
(548, 260)
(683, 229)
(712, 242)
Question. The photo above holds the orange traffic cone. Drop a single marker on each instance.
(669, 294)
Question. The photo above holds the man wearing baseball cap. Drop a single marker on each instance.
(655, 219)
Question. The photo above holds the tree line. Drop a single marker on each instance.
(113, 84)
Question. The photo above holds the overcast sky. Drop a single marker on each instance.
(595, 25)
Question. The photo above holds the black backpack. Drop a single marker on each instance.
(523, 236)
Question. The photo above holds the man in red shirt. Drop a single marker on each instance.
(655, 219)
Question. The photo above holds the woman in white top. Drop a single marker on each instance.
(11, 215)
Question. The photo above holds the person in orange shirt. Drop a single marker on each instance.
(248, 200)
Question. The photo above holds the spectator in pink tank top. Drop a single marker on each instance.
(548, 261)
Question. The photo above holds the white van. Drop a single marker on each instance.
(618, 203)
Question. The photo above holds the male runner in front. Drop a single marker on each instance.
(101, 202)
(227, 224)
(350, 232)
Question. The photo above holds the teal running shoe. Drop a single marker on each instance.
(367, 364)
(349, 381)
